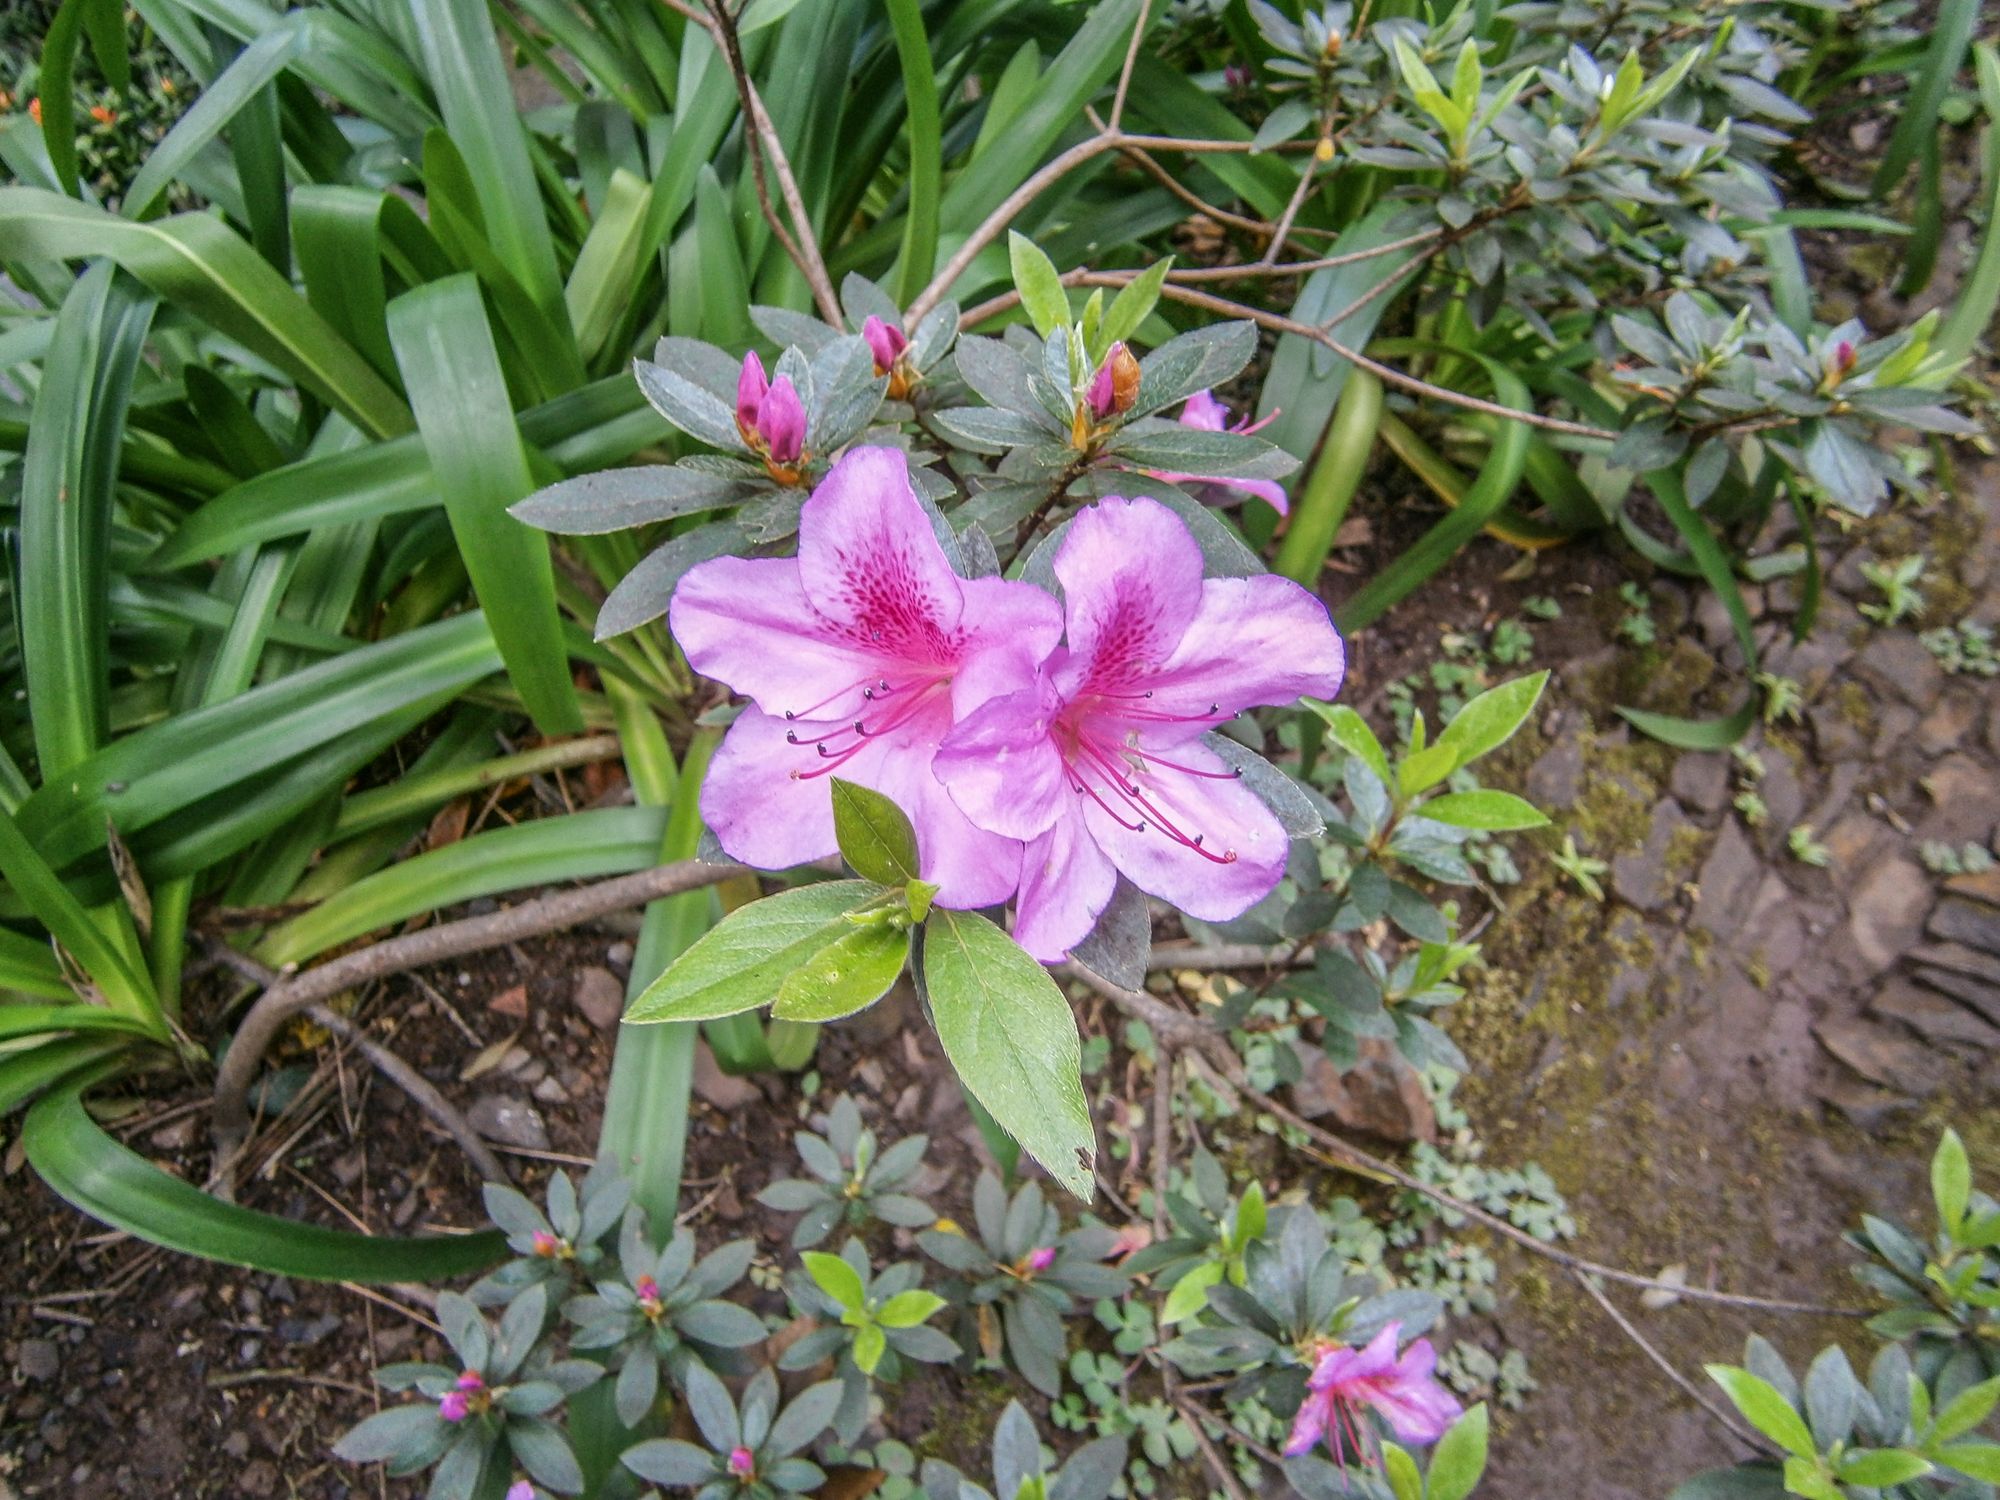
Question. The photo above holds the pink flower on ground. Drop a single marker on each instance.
(858, 655)
(1206, 414)
(459, 1403)
(770, 419)
(1097, 765)
(1402, 1391)
(742, 1463)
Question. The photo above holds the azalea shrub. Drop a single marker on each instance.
(1008, 652)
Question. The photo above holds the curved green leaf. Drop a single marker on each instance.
(116, 1186)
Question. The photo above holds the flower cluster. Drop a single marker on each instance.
(1041, 747)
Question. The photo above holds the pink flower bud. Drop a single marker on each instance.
(1115, 386)
(647, 1288)
(1843, 356)
(520, 1489)
(1236, 77)
(470, 1381)
(742, 1463)
(885, 342)
(781, 422)
(750, 390)
(546, 1244)
(454, 1407)
(1041, 1259)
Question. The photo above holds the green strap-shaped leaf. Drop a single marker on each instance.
(1012, 1038)
(445, 350)
(67, 477)
(28, 875)
(116, 1186)
(583, 846)
(140, 779)
(197, 264)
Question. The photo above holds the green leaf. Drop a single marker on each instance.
(870, 1344)
(1951, 1180)
(1492, 812)
(196, 264)
(1040, 286)
(465, 416)
(1406, 1480)
(1766, 1410)
(875, 836)
(1190, 1294)
(96, 1174)
(124, 986)
(1460, 1457)
(845, 976)
(1975, 1460)
(67, 476)
(836, 1278)
(1917, 112)
(1351, 732)
(1489, 721)
(1131, 307)
(918, 256)
(1878, 1468)
(1693, 734)
(747, 958)
(1425, 768)
(1012, 1039)
(1961, 1414)
(907, 1309)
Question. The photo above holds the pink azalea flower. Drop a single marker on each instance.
(857, 656)
(1402, 1391)
(1206, 414)
(467, 1396)
(1096, 763)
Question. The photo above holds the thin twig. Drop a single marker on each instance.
(762, 139)
(553, 913)
(1229, 956)
(1292, 207)
(1176, 1026)
(1217, 1464)
(1688, 1387)
(421, 1091)
(1139, 25)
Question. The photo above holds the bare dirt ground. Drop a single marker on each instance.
(1721, 1064)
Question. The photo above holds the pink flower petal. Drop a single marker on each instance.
(871, 565)
(1066, 882)
(781, 418)
(1310, 1425)
(1252, 641)
(761, 813)
(1131, 577)
(750, 388)
(747, 622)
(1001, 767)
(1204, 413)
(1177, 805)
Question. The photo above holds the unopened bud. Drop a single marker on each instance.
(742, 1462)
(1114, 389)
(1323, 152)
(1039, 1260)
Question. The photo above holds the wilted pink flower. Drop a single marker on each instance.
(742, 1462)
(457, 1404)
(1206, 414)
(1115, 386)
(771, 420)
(855, 654)
(1040, 1259)
(1403, 1391)
(1097, 762)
